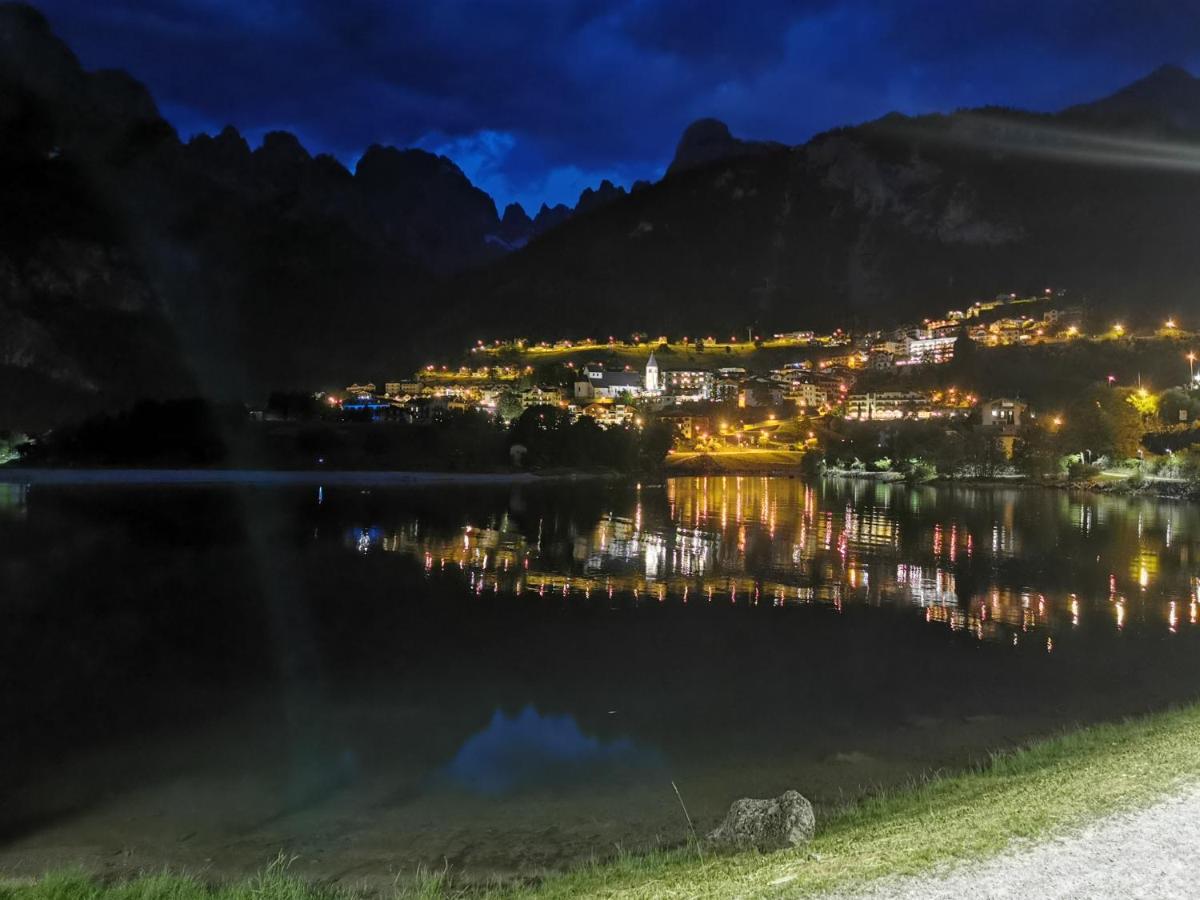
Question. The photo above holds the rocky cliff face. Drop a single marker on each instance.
(707, 141)
(206, 265)
(136, 265)
(889, 220)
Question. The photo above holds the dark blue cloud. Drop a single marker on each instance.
(538, 99)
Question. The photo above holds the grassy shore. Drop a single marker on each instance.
(678, 356)
(1046, 788)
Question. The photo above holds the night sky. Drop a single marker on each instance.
(536, 100)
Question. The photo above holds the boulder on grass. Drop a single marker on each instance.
(765, 825)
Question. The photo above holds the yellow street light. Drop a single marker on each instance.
(1119, 328)
(1170, 323)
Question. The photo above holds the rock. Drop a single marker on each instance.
(594, 198)
(706, 141)
(766, 825)
(551, 216)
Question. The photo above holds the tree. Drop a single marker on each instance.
(1103, 422)
(185, 431)
(966, 352)
(981, 453)
(1144, 402)
(293, 405)
(1039, 451)
(509, 406)
(549, 438)
(555, 373)
(1176, 400)
(656, 440)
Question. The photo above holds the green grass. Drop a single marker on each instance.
(274, 884)
(1049, 787)
(743, 354)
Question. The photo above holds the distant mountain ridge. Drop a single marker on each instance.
(206, 265)
(1166, 103)
(892, 219)
(136, 264)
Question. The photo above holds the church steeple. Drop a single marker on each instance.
(652, 374)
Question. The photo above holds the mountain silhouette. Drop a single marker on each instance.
(894, 219)
(135, 264)
(706, 141)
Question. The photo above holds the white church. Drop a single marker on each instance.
(599, 383)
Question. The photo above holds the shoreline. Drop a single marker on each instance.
(286, 477)
(1150, 487)
(128, 476)
(1153, 488)
(1022, 798)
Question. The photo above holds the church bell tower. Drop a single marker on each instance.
(652, 386)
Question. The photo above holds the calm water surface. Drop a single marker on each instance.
(510, 678)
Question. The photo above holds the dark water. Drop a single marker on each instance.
(504, 679)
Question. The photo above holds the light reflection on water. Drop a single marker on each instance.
(531, 749)
(995, 563)
(511, 678)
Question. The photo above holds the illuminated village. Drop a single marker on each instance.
(819, 380)
(755, 393)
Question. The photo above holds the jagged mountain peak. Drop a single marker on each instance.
(703, 141)
(515, 226)
(549, 216)
(283, 147)
(1165, 101)
(514, 214)
(594, 198)
(408, 162)
(708, 140)
(31, 50)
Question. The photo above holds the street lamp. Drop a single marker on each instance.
(1191, 358)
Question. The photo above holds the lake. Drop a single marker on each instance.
(505, 679)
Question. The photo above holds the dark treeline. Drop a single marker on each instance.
(550, 438)
(189, 432)
(194, 432)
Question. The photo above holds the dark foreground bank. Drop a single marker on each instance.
(1027, 794)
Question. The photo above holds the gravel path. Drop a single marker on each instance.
(1154, 852)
